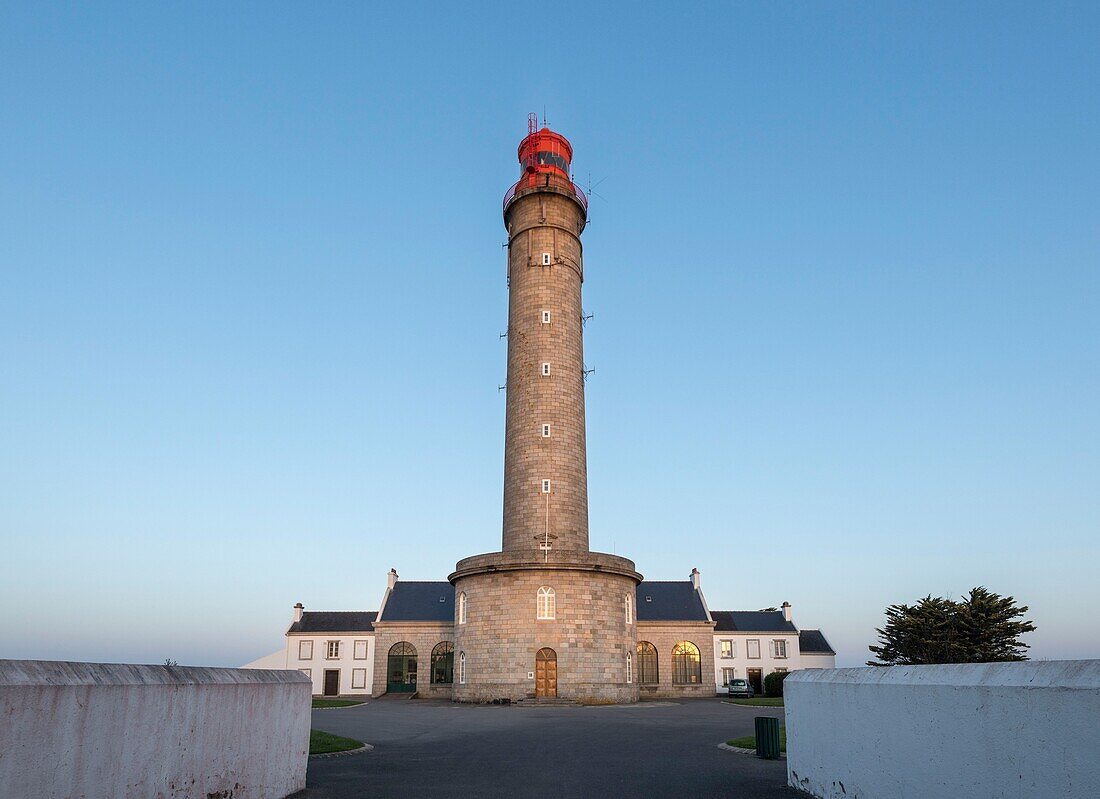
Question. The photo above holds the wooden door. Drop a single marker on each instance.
(332, 682)
(546, 672)
(755, 681)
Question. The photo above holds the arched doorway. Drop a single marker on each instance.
(401, 668)
(546, 672)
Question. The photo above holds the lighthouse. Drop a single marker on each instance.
(545, 471)
(545, 617)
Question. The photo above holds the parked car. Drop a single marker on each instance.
(740, 688)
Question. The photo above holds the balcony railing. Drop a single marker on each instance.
(582, 198)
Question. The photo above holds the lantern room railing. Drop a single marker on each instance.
(582, 198)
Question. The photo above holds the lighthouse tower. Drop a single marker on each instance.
(545, 472)
(545, 616)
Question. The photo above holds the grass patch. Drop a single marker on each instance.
(336, 702)
(321, 743)
(757, 701)
(749, 741)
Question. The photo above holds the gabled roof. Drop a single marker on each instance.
(751, 621)
(420, 601)
(677, 600)
(335, 621)
(812, 642)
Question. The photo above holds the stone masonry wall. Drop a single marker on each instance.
(664, 636)
(545, 222)
(589, 634)
(424, 636)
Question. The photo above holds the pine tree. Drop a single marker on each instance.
(982, 628)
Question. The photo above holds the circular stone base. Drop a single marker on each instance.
(591, 639)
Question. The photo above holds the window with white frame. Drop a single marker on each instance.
(546, 486)
(726, 649)
(462, 667)
(546, 259)
(358, 678)
(727, 675)
(779, 648)
(546, 431)
(546, 317)
(305, 650)
(544, 603)
(332, 650)
(628, 601)
(360, 652)
(546, 369)
(307, 672)
(629, 669)
(752, 647)
(462, 608)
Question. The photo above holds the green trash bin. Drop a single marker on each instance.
(767, 737)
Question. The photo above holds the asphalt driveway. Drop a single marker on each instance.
(652, 749)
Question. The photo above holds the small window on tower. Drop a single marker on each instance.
(546, 259)
(546, 431)
(546, 486)
(546, 369)
(546, 317)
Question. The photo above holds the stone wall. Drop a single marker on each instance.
(1008, 730)
(664, 636)
(502, 635)
(545, 222)
(424, 636)
(119, 731)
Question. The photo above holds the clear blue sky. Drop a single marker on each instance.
(844, 272)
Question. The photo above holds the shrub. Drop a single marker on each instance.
(773, 683)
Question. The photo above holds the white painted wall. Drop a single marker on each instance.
(1008, 730)
(276, 660)
(119, 731)
(816, 661)
(741, 662)
(347, 664)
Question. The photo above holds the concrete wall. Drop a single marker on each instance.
(119, 731)
(1008, 730)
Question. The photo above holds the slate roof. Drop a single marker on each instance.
(658, 600)
(751, 621)
(420, 601)
(335, 621)
(812, 642)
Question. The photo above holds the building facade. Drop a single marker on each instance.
(544, 618)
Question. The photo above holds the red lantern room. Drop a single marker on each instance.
(544, 151)
(544, 159)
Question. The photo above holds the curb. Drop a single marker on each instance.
(742, 751)
(341, 707)
(327, 755)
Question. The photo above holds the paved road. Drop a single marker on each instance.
(652, 749)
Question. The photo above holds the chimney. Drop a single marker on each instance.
(298, 612)
(392, 578)
(695, 579)
(786, 611)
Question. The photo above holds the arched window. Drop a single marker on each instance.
(647, 663)
(462, 667)
(545, 603)
(629, 603)
(629, 668)
(443, 663)
(462, 608)
(686, 668)
(401, 668)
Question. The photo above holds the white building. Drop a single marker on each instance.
(333, 648)
(751, 644)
